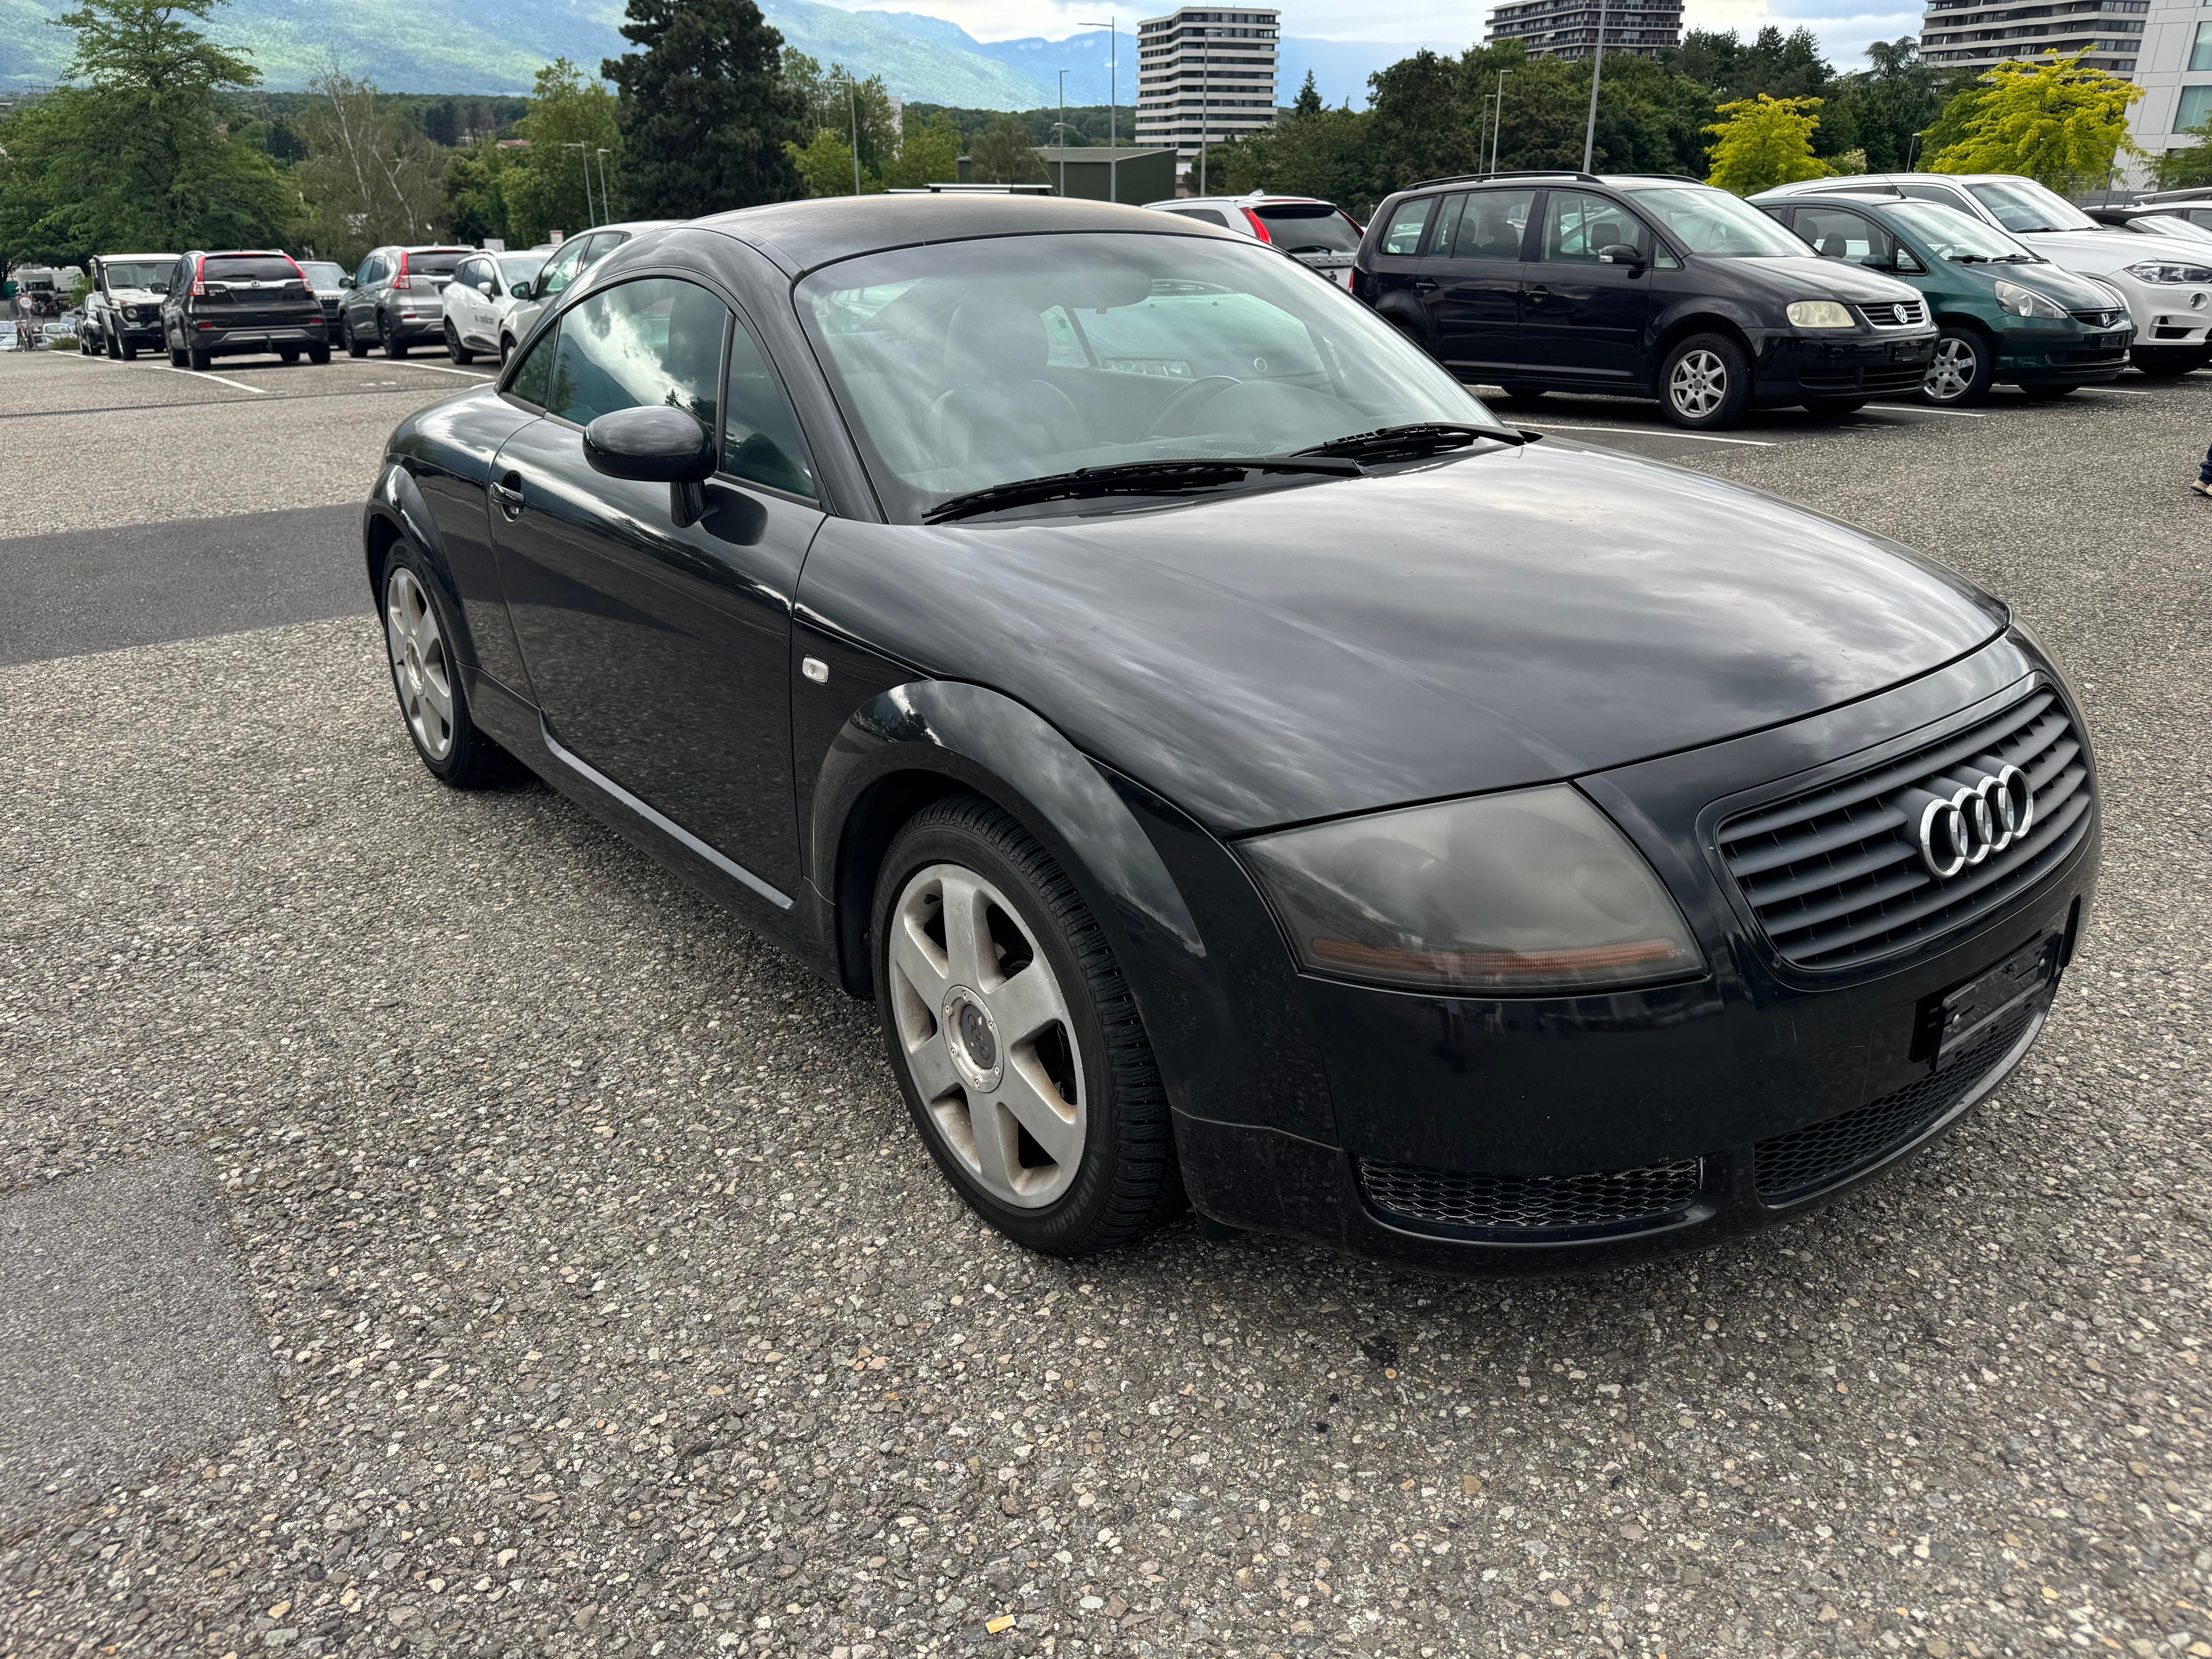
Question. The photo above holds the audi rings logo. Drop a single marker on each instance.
(1989, 806)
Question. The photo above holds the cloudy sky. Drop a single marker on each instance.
(1844, 32)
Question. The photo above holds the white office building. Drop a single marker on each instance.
(1209, 73)
(2175, 72)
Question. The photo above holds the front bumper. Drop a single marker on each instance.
(1668, 1117)
(1793, 368)
(2034, 356)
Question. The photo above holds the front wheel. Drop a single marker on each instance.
(428, 679)
(454, 350)
(1960, 370)
(1014, 1037)
(1521, 394)
(1706, 382)
(177, 358)
(129, 348)
(506, 349)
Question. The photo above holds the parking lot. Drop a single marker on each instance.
(425, 1226)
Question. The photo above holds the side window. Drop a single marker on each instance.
(1577, 227)
(760, 435)
(535, 378)
(1944, 194)
(561, 270)
(1204, 216)
(601, 244)
(1407, 221)
(655, 340)
(1839, 233)
(465, 273)
(1492, 225)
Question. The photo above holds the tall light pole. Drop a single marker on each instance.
(606, 201)
(1060, 129)
(583, 155)
(1597, 65)
(1113, 27)
(1496, 125)
(852, 100)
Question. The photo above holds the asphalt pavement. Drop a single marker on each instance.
(579, 1286)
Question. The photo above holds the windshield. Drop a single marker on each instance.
(968, 364)
(2023, 204)
(322, 273)
(2171, 224)
(1308, 228)
(520, 267)
(138, 273)
(1951, 234)
(1718, 225)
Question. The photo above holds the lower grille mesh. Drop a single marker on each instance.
(1533, 1203)
(1820, 1155)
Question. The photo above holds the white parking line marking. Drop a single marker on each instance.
(1916, 409)
(1647, 432)
(199, 374)
(435, 368)
(2121, 390)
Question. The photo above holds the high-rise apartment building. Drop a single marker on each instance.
(2175, 72)
(1568, 28)
(1205, 72)
(1982, 33)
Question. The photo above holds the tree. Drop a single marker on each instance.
(1006, 155)
(704, 111)
(1762, 142)
(2188, 167)
(825, 167)
(546, 187)
(1886, 109)
(476, 208)
(928, 153)
(835, 101)
(2057, 121)
(370, 176)
(1309, 98)
(134, 155)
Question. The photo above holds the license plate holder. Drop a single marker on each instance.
(1951, 1020)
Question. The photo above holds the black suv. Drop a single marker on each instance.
(1643, 286)
(219, 304)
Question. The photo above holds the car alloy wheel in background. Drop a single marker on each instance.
(1014, 1037)
(454, 350)
(1960, 370)
(355, 347)
(1706, 381)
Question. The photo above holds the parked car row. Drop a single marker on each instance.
(1828, 294)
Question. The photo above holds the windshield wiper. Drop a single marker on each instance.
(1135, 478)
(1417, 438)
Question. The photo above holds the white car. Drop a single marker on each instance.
(2166, 281)
(569, 261)
(485, 290)
(123, 312)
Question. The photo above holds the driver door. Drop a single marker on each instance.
(1583, 318)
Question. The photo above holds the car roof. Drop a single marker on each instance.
(1256, 199)
(631, 225)
(803, 236)
(105, 258)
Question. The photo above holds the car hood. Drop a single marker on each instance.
(2101, 252)
(1499, 619)
(2052, 280)
(1815, 278)
(133, 296)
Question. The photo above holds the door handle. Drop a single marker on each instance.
(507, 492)
(1425, 284)
(1540, 293)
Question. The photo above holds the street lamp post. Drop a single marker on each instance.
(1499, 122)
(606, 201)
(852, 100)
(1059, 129)
(584, 158)
(1113, 27)
(1598, 67)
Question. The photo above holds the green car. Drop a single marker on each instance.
(2006, 314)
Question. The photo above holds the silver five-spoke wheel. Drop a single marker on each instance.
(1698, 385)
(986, 1035)
(420, 667)
(1953, 370)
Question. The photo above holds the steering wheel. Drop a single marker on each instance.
(1188, 400)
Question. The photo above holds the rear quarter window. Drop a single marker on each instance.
(1402, 235)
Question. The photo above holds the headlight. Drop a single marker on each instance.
(2161, 271)
(2020, 301)
(1820, 313)
(1534, 890)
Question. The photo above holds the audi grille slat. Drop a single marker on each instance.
(1821, 871)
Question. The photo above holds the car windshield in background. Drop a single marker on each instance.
(1718, 225)
(2021, 204)
(1308, 228)
(2172, 224)
(970, 364)
(1951, 234)
(521, 267)
(435, 265)
(322, 273)
(249, 268)
(138, 273)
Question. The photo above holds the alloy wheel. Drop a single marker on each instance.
(420, 668)
(1952, 371)
(1698, 385)
(986, 1035)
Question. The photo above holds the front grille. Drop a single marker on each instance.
(1809, 1160)
(2100, 318)
(1896, 378)
(1836, 875)
(1531, 1203)
(1881, 380)
(1902, 313)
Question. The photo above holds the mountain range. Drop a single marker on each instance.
(462, 46)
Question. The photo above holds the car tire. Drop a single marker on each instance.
(1835, 409)
(201, 361)
(114, 345)
(1521, 394)
(130, 348)
(1960, 370)
(454, 350)
(291, 356)
(506, 349)
(426, 677)
(392, 344)
(2166, 362)
(177, 359)
(354, 348)
(1706, 382)
(319, 355)
(1102, 1180)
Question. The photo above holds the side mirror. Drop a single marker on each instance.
(1620, 253)
(484, 286)
(656, 445)
(345, 281)
(521, 291)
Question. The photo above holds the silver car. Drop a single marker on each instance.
(575, 256)
(1321, 233)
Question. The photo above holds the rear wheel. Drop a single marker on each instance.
(1014, 1037)
(1706, 381)
(455, 350)
(289, 355)
(394, 345)
(318, 353)
(201, 360)
(354, 348)
(1960, 370)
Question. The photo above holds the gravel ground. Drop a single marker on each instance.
(610, 1307)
